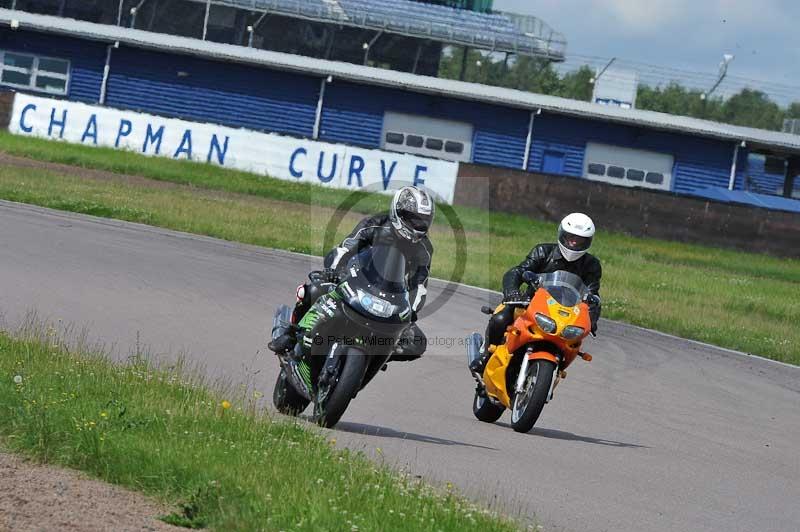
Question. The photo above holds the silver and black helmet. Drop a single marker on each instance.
(412, 213)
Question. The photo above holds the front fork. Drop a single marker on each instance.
(519, 387)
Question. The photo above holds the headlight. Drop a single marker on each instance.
(545, 323)
(375, 305)
(571, 332)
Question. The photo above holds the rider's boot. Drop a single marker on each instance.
(479, 364)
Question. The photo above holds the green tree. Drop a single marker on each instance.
(752, 108)
(749, 107)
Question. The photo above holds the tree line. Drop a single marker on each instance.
(749, 107)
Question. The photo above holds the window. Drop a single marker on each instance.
(656, 178)
(453, 147)
(415, 141)
(597, 169)
(635, 175)
(434, 144)
(617, 172)
(25, 71)
(395, 138)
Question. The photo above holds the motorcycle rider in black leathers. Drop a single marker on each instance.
(575, 234)
(406, 227)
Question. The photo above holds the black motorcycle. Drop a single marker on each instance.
(357, 325)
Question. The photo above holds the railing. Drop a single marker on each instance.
(533, 36)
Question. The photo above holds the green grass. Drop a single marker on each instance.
(164, 432)
(732, 299)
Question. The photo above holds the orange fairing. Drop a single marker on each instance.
(525, 331)
(543, 355)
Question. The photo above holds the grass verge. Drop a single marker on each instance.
(737, 300)
(218, 458)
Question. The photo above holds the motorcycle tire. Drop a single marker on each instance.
(350, 378)
(485, 410)
(527, 405)
(286, 399)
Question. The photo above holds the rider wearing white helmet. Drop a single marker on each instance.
(406, 227)
(575, 234)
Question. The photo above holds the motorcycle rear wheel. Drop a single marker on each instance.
(528, 404)
(484, 409)
(348, 384)
(286, 399)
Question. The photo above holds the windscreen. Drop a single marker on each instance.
(384, 267)
(566, 288)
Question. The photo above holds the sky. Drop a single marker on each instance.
(764, 35)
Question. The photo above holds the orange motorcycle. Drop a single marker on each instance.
(545, 337)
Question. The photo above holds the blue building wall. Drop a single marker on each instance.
(699, 162)
(759, 180)
(87, 59)
(353, 114)
(208, 91)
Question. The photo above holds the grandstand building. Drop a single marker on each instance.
(400, 35)
(161, 72)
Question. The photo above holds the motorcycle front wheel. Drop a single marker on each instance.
(286, 399)
(528, 404)
(349, 382)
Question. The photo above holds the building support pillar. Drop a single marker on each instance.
(463, 63)
(106, 73)
(368, 46)
(205, 19)
(252, 29)
(529, 140)
(734, 163)
(792, 171)
(416, 58)
(320, 104)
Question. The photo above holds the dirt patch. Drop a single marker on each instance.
(37, 497)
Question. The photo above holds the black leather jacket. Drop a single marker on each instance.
(546, 258)
(378, 230)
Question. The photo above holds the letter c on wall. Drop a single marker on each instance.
(22, 126)
(296, 173)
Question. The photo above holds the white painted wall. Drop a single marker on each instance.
(281, 157)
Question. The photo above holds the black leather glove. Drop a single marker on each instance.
(330, 275)
(512, 295)
(593, 301)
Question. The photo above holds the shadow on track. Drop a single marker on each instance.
(568, 436)
(384, 432)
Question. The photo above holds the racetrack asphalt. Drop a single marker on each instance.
(655, 434)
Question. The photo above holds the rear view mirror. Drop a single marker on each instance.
(487, 310)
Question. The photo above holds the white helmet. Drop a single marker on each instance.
(575, 236)
(412, 213)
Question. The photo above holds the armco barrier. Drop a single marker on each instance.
(288, 158)
(634, 211)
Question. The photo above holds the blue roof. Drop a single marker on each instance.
(750, 198)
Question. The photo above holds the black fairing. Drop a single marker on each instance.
(376, 275)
